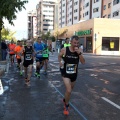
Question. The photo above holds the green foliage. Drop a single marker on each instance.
(9, 8)
(45, 36)
(52, 38)
(7, 34)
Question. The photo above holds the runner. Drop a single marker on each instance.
(46, 58)
(19, 56)
(72, 56)
(28, 54)
(39, 47)
(11, 48)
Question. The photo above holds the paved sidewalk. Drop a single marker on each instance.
(3, 67)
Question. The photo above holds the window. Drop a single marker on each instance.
(76, 3)
(116, 2)
(95, 10)
(104, 7)
(75, 18)
(116, 13)
(75, 10)
(109, 16)
(109, 5)
(96, 1)
(86, 13)
(110, 44)
(87, 4)
(45, 29)
(47, 25)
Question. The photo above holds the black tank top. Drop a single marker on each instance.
(28, 53)
(71, 62)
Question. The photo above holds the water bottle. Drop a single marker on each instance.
(62, 61)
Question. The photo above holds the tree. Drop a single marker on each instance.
(7, 34)
(59, 32)
(8, 10)
(45, 36)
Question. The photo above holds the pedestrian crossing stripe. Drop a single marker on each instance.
(1, 88)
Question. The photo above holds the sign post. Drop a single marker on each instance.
(95, 37)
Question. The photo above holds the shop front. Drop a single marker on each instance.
(99, 35)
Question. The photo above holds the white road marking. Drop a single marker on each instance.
(112, 103)
(54, 65)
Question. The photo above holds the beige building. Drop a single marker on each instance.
(98, 35)
(46, 10)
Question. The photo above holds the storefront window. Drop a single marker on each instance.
(110, 44)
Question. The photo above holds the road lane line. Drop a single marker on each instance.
(84, 118)
(112, 103)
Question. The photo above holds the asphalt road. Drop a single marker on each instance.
(96, 95)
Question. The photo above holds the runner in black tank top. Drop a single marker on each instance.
(69, 69)
(71, 64)
(28, 61)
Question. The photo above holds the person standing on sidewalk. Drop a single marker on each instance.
(4, 49)
(28, 55)
(69, 67)
(39, 47)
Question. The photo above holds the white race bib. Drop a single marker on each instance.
(28, 57)
(71, 68)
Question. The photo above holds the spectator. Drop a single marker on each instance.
(4, 49)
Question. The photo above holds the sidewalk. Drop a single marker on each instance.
(3, 65)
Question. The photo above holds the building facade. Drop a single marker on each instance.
(96, 22)
(46, 10)
(32, 24)
(73, 11)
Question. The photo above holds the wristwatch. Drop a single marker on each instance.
(80, 53)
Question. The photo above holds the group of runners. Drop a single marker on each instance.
(68, 58)
(26, 54)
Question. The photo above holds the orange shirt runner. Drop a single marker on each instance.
(17, 51)
(11, 48)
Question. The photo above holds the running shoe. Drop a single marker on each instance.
(66, 110)
(38, 75)
(45, 73)
(21, 73)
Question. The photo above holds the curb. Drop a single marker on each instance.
(2, 67)
(1, 72)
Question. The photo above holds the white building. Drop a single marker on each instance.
(45, 16)
(71, 12)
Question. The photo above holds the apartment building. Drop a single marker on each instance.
(32, 24)
(96, 22)
(73, 11)
(47, 15)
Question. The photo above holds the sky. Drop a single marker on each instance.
(20, 24)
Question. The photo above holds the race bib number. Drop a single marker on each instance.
(71, 68)
(45, 52)
(28, 57)
(39, 53)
